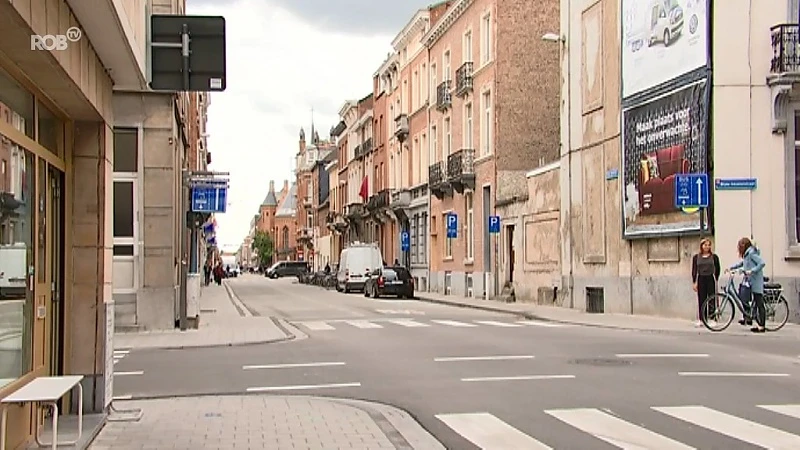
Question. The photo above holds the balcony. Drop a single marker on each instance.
(367, 147)
(444, 98)
(335, 222)
(359, 152)
(401, 127)
(784, 71)
(401, 199)
(437, 180)
(464, 79)
(461, 169)
(354, 211)
(305, 234)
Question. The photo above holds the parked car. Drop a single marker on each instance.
(356, 263)
(286, 269)
(394, 280)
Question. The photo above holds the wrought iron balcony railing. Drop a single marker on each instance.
(401, 126)
(367, 146)
(785, 48)
(464, 78)
(379, 200)
(444, 98)
(436, 173)
(461, 163)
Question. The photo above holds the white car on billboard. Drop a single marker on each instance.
(666, 21)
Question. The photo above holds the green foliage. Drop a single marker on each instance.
(263, 245)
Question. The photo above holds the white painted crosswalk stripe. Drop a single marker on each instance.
(317, 326)
(614, 430)
(495, 323)
(490, 433)
(454, 323)
(786, 410)
(539, 323)
(732, 426)
(362, 324)
(408, 323)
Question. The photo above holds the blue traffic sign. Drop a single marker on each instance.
(209, 199)
(405, 241)
(452, 226)
(735, 184)
(494, 224)
(691, 190)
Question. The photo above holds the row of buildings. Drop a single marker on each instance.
(546, 116)
(91, 164)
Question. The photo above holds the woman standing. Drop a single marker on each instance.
(753, 267)
(705, 273)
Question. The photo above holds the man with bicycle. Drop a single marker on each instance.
(753, 267)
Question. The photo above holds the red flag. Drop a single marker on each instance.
(364, 191)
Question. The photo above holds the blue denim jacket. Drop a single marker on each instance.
(752, 262)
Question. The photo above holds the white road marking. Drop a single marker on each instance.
(787, 410)
(661, 355)
(408, 323)
(731, 374)
(735, 427)
(490, 433)
(302, 387)
(121, 352)
(614, 430)
(539, 323)
(521, 378)
(363, 324)
(495, 323)
(482, 358)
(122, 397)
(292, 365)
(401, 312)
(453, 323)
(122, 374)
(316, 326)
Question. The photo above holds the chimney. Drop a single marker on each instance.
(285, 185)
(272, 185)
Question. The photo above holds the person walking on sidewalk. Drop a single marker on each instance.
(705, 273)
(753, 266)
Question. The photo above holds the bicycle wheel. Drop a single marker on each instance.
(717, 312)
(777, 313)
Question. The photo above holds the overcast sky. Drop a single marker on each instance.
(284, 58)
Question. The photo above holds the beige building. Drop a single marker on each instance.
(637, 112)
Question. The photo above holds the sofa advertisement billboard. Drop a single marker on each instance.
(661, 40)
(661, 138)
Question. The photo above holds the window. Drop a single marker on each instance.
(123, 209)
(403, 109)
(415, 91)
(486, 38)
(422, 91)
(466, 47)
(467, 139)
(423, 237)
(448, 242)
(446, 66)
(448, 139)
(16, 104)
(126, 150)
(486, 124)
(309, 219)
(285, 238)
(434, 150)
(414, 237)
(794, 161)
(51, 130)
(433, 86)
(470, 224)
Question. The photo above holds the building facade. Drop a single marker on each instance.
(310, 182)
(276, 217)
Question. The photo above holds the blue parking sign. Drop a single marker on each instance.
(494, 224)
(452, 226)
(405, 241)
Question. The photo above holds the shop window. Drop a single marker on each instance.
(17, 208)
(51, 130)
(16, 105)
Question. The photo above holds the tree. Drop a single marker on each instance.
(263, 246)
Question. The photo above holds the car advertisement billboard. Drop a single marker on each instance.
(661, 40)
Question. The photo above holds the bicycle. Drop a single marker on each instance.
(727, 300)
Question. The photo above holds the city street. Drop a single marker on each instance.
(479, 379)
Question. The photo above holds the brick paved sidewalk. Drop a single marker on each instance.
(264, 422)
(577, 317)
(224, 320)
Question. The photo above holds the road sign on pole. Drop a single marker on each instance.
(494, 224)
(452, 226)
(209, 199)
(691, 190)
(405, 241)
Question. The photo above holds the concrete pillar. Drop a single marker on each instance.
(92, 244)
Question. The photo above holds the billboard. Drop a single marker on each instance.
(661, 138)
(661, 40)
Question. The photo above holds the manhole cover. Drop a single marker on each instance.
(601, 362)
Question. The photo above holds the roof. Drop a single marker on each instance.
(288, 207)
(270, 199)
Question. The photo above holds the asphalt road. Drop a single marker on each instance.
(484, 380)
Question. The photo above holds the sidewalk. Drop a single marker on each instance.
(224, 321)
(264, 422)
(577, 317)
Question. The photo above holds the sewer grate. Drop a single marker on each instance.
(601, 362)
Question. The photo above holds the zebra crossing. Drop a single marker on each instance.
(363, 324)
(490, 432)
(119, 355)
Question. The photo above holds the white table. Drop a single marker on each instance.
(47, 391)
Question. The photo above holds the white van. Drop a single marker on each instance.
(355, 264)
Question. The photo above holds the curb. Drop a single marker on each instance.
(384, 415)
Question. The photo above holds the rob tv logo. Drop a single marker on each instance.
(55, 41)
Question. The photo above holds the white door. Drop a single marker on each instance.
(126, 248)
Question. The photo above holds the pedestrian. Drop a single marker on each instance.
(753, 266)
(218, 273)
(705, 273)
(207, 273)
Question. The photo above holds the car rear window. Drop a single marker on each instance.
(399, 272)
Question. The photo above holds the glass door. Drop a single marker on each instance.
(56, 313)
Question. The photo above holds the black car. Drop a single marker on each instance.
(390, 281)
(286, 269)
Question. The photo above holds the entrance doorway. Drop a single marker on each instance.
(57, 313)
(510, 253)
